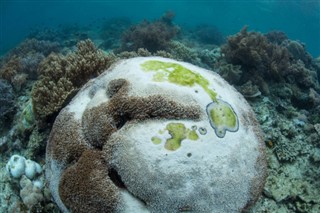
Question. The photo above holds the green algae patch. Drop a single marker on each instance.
(192, 135)
(178, 132)
(222, 118)
(156, 140)
(177, 74)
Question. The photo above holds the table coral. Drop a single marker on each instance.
(130, 143)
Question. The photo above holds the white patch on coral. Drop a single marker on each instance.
(209, 174)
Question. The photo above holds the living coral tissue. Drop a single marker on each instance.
(153, 116)
(137, 136)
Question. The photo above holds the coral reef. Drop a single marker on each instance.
(188, 150)
(7, 101)
(35, 46)
(28, 175)
(249, 90)
(152, 36)
(208, 34)
(29, 64)
(30, 193)
(292, 184)
(276, 37)
(277, 76)
(256, 56)
(61, 76)
(111, 32)
(10, 68)
(231, 73)
(265, 63)
(21, 64)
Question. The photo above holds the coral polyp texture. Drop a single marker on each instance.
(156, 135)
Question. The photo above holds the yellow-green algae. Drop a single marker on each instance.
(177, 74)
(222, 118)
(221, 115)
(156, 140)
(178, 133)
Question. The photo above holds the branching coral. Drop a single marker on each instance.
(61, 75)
(256, 55)
(153, 36)
(10, 68)
(22, 62)
(36, 46)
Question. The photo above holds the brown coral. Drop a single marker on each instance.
(100, 122)
(152, 36)
(100, 157)
(90, 169)
(256, 55)
(61, 75)
(11, 68)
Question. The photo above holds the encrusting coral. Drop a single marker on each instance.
(60, 76)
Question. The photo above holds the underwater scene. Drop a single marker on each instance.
(160, 106)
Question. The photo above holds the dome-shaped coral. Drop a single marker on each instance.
(156, 135)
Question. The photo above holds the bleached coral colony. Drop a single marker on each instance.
(156, 135)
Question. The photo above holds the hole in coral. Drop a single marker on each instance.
(122, 121)
(115, 178)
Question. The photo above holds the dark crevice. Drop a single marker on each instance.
(116, 178)
(122, 121)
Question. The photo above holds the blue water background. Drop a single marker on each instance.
(300, 20)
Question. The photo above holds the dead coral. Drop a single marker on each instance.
(249, 91)
(61, 76)
(152, 36)
(231, 73)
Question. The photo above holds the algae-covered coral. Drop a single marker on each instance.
(126, 115)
